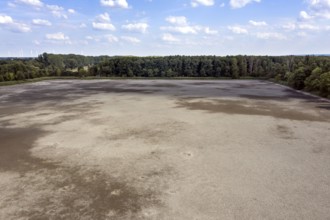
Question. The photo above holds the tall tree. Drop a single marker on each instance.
(234, 68)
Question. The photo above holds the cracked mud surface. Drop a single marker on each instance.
(162, 149)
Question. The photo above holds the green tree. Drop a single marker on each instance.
(242, 66)
(169, 73)
(33, 74)
(234, 69)
(93, 71)
(312, 82)
(20, 75)
(325, 84)
(278, 78)
(297, 78)
(10, 76)
(130, 72)
(82, 72)
(71, 63)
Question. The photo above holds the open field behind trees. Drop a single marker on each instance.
(163, 149)
(310, 73)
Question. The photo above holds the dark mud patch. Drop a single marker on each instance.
(120, 90)
(111, 87)
(318, 150)
(55, 191)
(18, 108)
(57, 94)
(166, 85)
(158, 133)
(297, 95)
(202, 83)
(79, 194)
(243, 86)
(145, 134)
(15, 148)
(81, 107)
(319, 103)
(37, 95)
(284, 132)
(244, 108)
(13, 109)
(160, 85)
(324, 106)
(224, 89)
(263, 97)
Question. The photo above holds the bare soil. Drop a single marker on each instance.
(163, 149)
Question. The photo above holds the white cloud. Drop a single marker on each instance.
(305, 26)
(112, 39)
(177, 20)
(82, 25)
(20, 27)
(238, 30)
(34, 3)
(319, 4)
(130, 39)
(241, 3)
(4, 19)
(114, 3)
(139, 27)
(181, 25)
(103, 17)
(41, 22)
(109, 38)
(289, 26)
(196, 3)
(270, 36)
(302, 34)
(182, 29)
(258, 23)
(209, 31)
(103, 26)
(57, 11)
(169, 38)
(11, 4)
(103, 22)
(57, 36)
(9, 23)
(90, 38)
(317, 8)
(305, 16)
(71, 11)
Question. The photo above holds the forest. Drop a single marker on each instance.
(309, 73)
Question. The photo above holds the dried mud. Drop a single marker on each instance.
(163, 149)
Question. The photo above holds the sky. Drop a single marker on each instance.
(164, 27)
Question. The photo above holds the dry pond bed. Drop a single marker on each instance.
(163, 149)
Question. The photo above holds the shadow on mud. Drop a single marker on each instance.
(244, 108)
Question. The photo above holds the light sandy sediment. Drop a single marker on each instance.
(159, 149)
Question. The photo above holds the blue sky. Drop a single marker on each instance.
(164, 27)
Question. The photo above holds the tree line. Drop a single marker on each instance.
(310, 73)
